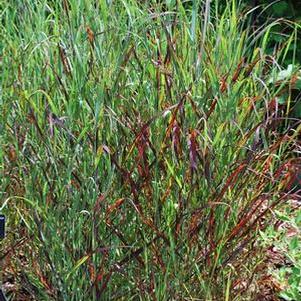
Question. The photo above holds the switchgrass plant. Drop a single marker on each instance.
(140, 153)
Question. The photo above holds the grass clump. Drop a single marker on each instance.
(140, 149)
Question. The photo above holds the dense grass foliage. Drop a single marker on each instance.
(140, 153)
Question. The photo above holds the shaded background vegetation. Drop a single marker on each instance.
(288, 9)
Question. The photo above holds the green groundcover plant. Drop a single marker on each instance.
(287, 242)
(140, 153)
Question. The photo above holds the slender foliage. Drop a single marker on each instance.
(140, 153)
